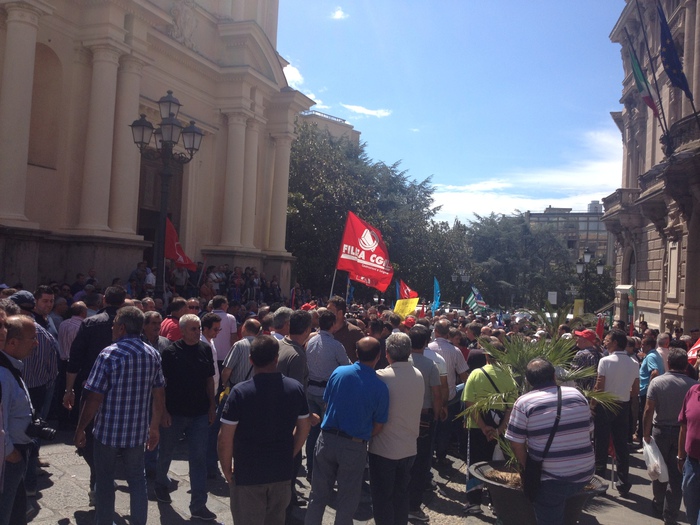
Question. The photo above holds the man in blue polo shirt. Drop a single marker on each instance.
(357, 408)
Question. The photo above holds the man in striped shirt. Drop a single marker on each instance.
(570, 463)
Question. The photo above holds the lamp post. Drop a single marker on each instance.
(166, 137)
(582, 268)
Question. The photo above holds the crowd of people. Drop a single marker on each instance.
(252, 380)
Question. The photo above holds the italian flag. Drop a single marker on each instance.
(642, 84)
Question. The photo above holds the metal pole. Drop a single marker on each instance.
(159, 252)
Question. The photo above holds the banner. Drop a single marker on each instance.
(173, 248)
(363, 254)
(406, 307)
(405, 292)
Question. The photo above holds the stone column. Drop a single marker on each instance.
(280, 190)
(250, 184)
(16, 104)
(126, 160)
(233, 184)
(94, 204)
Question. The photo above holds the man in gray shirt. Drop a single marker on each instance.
(324, 354)
(663, 404)
(432, 404)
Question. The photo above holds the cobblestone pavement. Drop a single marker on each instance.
(63, 499)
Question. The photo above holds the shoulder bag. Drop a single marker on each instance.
(532, 476)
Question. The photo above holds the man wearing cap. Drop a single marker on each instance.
(588, 355)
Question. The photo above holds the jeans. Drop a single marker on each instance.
(691, 490)
(388, 481)
(550, 503)
(13, 497)
(421, 466)
(668, 495)
(212, 453)
(444, 429)
(606, 424)
(197, 430)
(342, 460)
(316, 406)
(105, 466)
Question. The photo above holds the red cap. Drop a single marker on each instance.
(587, 334)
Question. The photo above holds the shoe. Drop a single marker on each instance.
(472, 508)
(657, 510)
(92, 498)
(32, 511)
(162, 494)
(623, 488)
(203, 514)
(418, 515)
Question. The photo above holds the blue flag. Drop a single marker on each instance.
(669, 56)
(436, 296)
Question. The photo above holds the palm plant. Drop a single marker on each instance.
(550, 317)
(518, 352)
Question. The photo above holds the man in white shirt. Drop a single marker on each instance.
(227, 336)
(618, 373)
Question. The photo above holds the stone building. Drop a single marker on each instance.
(655, 214)
(74, 191)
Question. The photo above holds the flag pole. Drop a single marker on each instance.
(333, 283)
(644, 79)
(664, 125)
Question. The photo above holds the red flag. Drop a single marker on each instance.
(405, 292)
(600, 328)
(421, 315)
(363, 254)
(173, 248)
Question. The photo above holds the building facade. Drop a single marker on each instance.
(579, 230)
(75, 192)
(655, 214)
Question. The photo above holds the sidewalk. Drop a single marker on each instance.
(63, 496)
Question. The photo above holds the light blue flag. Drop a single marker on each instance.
(436, 296)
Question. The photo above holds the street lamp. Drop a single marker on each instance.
(582, 268)
(166, 137)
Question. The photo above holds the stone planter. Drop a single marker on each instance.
(513, 508)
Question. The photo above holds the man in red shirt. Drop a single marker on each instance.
(170, 326)
(689, 452)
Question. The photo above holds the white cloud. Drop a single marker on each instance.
(594, 175)
(339, 14)
(294, 76)
(379, 113)
(414, 130)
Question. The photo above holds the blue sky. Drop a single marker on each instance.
(505, 103)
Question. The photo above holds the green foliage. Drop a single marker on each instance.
(519, 352)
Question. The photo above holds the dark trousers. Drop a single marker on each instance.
(668, 496)
(388, 480)
(616, 425)
(479, 449)
(420, 472)
(445, 429)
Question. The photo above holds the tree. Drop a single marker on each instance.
(331, 176)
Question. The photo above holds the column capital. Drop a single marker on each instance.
(237, 117)
(282, 138)
(27, 11)
(105, 52)
(131, 64)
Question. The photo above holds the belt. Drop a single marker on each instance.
(667, 427)
(342, 434)
(321, 384)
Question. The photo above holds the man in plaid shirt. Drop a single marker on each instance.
(124, 379)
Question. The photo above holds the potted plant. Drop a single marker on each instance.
(502, 477)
